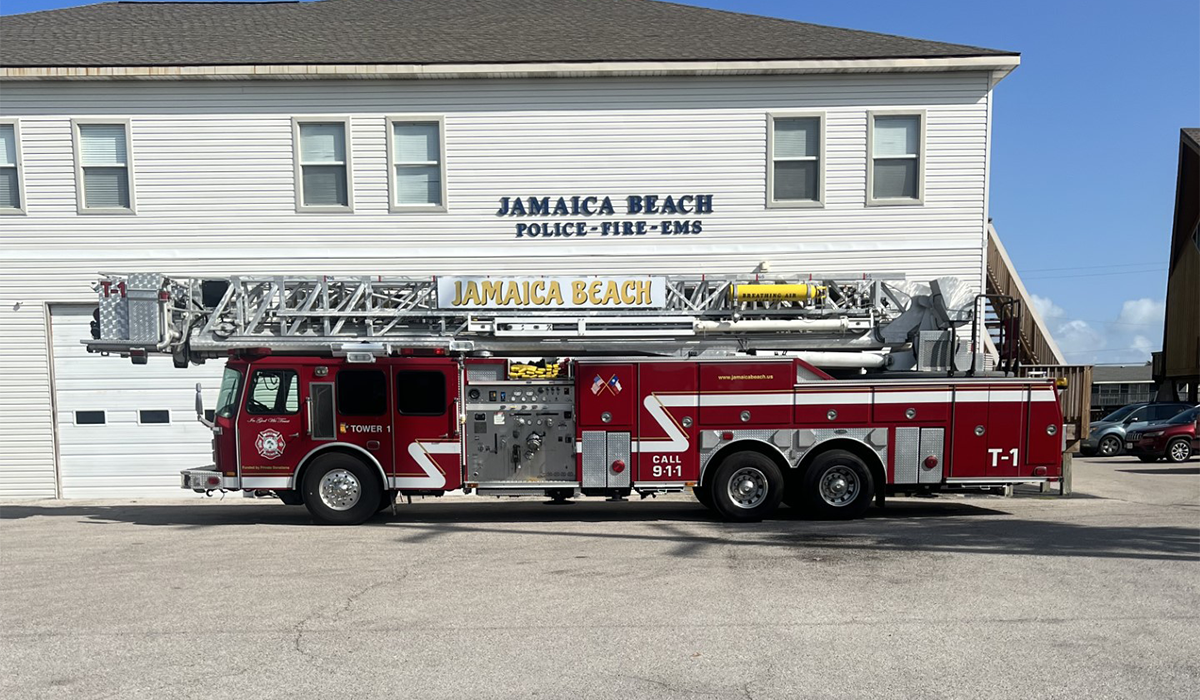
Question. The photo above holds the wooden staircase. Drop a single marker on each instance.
(1023, 340)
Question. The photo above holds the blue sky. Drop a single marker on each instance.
(1085, 144)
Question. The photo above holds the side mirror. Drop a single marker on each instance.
(200, 408)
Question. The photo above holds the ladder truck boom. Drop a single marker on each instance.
(868, 321)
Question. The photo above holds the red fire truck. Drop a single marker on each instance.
(343, 393)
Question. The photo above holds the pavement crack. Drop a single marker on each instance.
(301, 628)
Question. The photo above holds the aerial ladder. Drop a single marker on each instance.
(863, 323)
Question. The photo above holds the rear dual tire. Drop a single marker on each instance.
(836, 486)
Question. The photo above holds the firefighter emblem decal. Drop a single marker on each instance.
(270, 443)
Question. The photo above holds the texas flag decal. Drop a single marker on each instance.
(615, 384)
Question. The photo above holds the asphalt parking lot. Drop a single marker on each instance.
(1091, 596)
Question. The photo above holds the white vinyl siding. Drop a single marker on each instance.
(323, 160)
(216, 194)
(796, 174)
(897, 167)
(104, 176)
(12, 191)
(415, 158)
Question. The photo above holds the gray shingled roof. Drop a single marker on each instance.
(1104, 374)
(429, 32)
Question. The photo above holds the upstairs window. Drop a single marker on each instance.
(796, 174)
(322, 166)
(103, 174)
(11, 199)
(897, 169)
(415, 158)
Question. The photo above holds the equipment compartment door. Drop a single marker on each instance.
(1007, 409)
(969, 439)
(606, 395)
(667, 422)
(425, 416)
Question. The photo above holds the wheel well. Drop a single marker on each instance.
(366, 459)
(858, 449)
(765, 449)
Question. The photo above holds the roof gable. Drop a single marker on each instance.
(431, 32)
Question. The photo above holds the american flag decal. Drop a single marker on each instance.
(597, 384)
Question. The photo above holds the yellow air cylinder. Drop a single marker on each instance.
(775, 292)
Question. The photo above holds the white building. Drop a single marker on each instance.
(383, 136)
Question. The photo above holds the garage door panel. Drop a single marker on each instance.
(124, 458)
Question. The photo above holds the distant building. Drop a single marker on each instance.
(1114, 386)
(1177, 367)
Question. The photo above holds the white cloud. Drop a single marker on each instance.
(1131, 337)
(1142, 312)
(1047, 309)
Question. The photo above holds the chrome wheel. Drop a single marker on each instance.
(839, 486)
(1109, 446)
(1179, 451)
(339, 490)
(748, 487)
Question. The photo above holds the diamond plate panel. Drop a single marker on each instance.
(618, 448)
(933, 442)
(908, 450)
(482, 374)
(114, 315)
(595, 459)
(142, 292)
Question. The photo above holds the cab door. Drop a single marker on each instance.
(270, 428)
(364, 409)
(425, 419)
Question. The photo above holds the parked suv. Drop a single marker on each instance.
(1107, 436)
(1174, 438)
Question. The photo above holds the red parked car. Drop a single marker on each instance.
(1175, 438)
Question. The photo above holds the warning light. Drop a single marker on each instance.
(931, 462)
(618, 466)
(214, 481)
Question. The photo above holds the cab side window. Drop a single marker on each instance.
(361, 392)
(420, 393)
(1138, 416)
(274, 392)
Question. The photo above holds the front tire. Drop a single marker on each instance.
(1179, 450)
(704, 495)
(341, 490)
(838, 485)
(746, 487)
(1110, 446)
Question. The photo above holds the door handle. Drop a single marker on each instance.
(294, 435)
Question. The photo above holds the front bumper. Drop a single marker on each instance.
(202, 479)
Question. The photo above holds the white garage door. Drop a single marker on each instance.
(125, 430)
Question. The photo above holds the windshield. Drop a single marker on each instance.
(1119, 414)
(1185, 417)
(231, 385)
